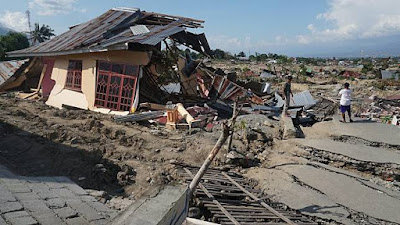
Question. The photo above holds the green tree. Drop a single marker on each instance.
(41, 33)
(11, 42)
(241, 54)
(219, 54)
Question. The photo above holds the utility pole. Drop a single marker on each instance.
(28, 16)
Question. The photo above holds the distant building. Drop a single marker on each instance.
(390, 74)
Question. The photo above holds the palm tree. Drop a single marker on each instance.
(41, 34)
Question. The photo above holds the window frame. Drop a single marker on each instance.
(107, 98)
(73, 80)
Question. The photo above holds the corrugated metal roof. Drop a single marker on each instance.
(111, 27)
(8, 68)
(303, 99)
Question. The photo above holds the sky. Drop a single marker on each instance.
(311, 28)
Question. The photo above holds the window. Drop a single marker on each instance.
(74, 75)
(116, 85)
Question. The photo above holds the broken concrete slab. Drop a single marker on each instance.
(289, 131)
(365, 181)
(166, 206)
(284, 189)
(347, 191)
(369, 130)
(358, 152)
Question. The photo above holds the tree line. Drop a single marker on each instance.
(13, 41)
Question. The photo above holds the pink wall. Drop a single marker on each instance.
(48, 83)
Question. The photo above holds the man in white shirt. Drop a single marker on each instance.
(345, 102)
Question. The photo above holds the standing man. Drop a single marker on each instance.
(345, 102)
(287, 93)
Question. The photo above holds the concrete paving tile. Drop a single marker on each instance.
(77, 221)
(85, 210)
(10, 207)
(2, 221)
(18, 188)
(65, 193)
(6, 195)
(36, 206)
(76, 189)
(55, 203)
(11, 215)
(66, 213)
(27, 220)
(48, 218)
(100, 222)
(21, 196)
(100, 207)
(46, 194)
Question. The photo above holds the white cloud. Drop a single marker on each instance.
(54, 7)
(14, 20)
(355, 19)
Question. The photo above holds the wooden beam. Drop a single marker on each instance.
(265, 205)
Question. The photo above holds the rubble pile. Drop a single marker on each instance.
(383, 109)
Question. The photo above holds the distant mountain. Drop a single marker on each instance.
(4, 30)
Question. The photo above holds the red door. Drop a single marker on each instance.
(116, 85)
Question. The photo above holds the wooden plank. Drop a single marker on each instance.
(41, 76)
(261, 202)
(29, 96)
(215, 201)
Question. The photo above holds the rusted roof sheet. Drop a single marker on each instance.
(8, 68)
(111, 28)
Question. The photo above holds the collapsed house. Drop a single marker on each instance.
(13, 74)
(103, 64)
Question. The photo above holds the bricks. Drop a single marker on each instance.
(36, 206)
(11, 215)
(47, 218)
(76, 189)
(77, 221)
(55, 203)
(26, 196)
(65, 193)
(66, 213)
(48, 201)
(85, 210)
(18, 188)
(6, 195)
(28, 220)
(100, 222)
(46, 194)
(10, 207)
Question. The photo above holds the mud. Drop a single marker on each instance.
(121, 159)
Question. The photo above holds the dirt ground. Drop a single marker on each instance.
(92, 149)
(122, 159)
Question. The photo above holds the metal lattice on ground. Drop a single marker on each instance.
(230, 199)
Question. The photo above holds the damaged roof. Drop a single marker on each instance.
(113, 31)
(8, 68)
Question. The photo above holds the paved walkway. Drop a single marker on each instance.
(47, 201)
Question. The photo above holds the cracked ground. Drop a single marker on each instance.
(341, 173)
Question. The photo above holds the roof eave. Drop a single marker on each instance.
(68, 52)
